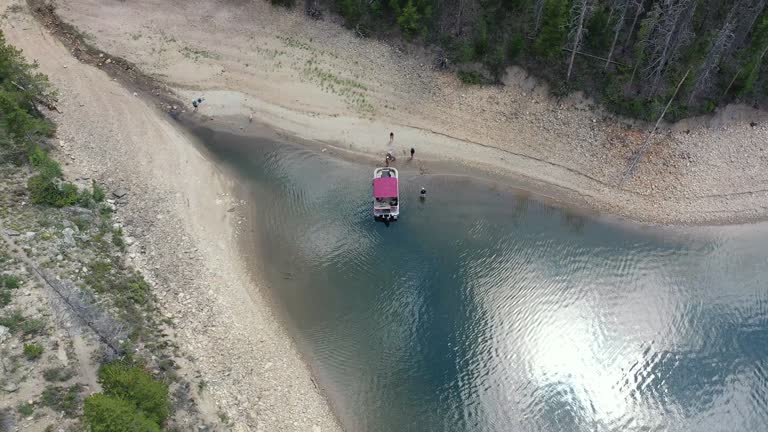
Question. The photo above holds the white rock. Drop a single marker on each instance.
(68, 236)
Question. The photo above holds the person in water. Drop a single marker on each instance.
(391, 137)
(423, 193)
(413, 150)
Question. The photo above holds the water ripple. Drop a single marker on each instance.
(485, 311)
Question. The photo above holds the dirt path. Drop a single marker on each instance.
(176, 210)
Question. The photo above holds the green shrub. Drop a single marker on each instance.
(470, 77)
(43, 190)
(285, 3)
(410, 19)
(351, 10)
(481, 43)
(82, 223)
(62, 399)
(553, 30)
(46, 166)
(13, 320)
(135, 288)
(85, 199)
(32, 327)
(68, 195)
(100, 275)
(136, 386)
(58, 374)
(599, 32)
(5, 297)
(117, 239)
(98, 193)
(25, 409)
(33, 351)
(496, 63)
(515, 47)
(412, 16)
(464, 52)
(110, 414)
(9, 281)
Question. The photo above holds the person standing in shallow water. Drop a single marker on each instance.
(413, 150)
(391, 137)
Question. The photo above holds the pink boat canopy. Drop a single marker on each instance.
(385, 187)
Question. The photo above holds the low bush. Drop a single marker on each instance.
(16, 321)
(109, 414)
(98, 193)
(135, 288)
(5, 297)
(33, 351)
(12, 320)
(9, 281)
(470, 77)
(136, 386)
(85, 199)
(46, 166)
(515, 47)
(25, 409)
(58, 374)
(62, 399)
(117, 239)
(43, 190)
(32, 327)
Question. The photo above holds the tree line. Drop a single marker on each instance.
(629, 54)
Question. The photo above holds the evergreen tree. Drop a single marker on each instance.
(651, 43)
(754, 56)
(553, 29)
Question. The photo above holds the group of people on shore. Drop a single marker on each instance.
(389, 157)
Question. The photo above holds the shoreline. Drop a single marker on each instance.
(569, 199)
(176, 212)
(317, 82)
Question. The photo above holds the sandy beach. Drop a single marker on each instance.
(317, 81)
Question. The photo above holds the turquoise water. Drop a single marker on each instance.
(485, 310)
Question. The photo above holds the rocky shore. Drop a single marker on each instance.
(179, 213)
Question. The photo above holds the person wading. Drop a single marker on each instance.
(413, 151)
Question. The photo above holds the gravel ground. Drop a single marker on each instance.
(175, 210)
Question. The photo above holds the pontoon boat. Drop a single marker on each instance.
(386, 194)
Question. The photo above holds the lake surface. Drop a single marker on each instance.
(485, 310)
